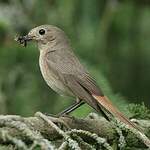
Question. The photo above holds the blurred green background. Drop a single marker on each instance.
(111, 37)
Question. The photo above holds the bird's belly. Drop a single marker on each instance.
(53, 80)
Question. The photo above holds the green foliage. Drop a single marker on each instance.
(139, 111)
(3, 32)
(112, 38)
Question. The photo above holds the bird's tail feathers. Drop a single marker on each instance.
(106, 103)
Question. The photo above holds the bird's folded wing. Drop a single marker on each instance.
(71, 71)
(74, 76)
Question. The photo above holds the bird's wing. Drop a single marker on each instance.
(71, 72)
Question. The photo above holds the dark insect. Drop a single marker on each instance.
(22, 40)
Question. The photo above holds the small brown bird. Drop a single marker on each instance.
(64, 73)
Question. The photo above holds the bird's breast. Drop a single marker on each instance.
(51, 78)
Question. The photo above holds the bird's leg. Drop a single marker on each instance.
(71, 108)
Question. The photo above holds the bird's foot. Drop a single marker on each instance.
(56, 115)
(51, 115)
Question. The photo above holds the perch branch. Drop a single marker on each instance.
(74, 133)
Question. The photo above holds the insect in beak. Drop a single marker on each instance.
(23, 40)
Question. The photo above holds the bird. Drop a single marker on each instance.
(63, 72)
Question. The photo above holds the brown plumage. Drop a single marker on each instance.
(64, 73)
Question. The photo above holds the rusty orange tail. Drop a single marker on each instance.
(106, 103)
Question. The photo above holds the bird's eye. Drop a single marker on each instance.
(42, 32)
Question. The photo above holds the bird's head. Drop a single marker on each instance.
(44, 35)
